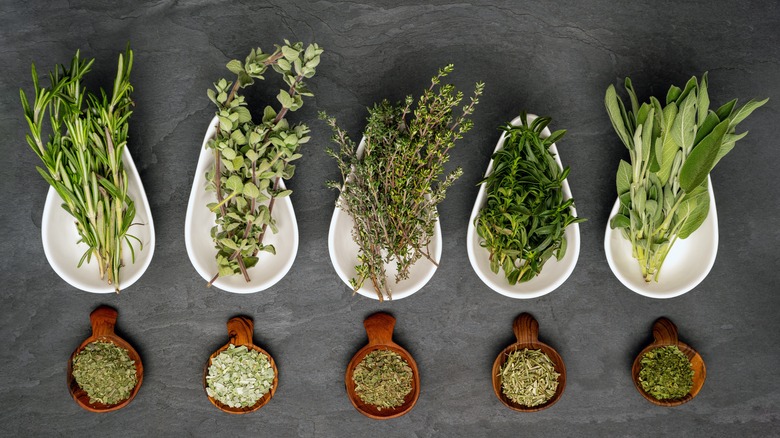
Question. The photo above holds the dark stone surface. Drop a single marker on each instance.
(552, 58)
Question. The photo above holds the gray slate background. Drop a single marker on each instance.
(554, 59)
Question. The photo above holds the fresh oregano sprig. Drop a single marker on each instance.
(250, 160)
(663, 191)
(83, 157)
(524, 220)
(391, 190)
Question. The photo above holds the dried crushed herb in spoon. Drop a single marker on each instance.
(528, 377)
(383, 379)
(239, 377)
(666, 373)
(106, 372)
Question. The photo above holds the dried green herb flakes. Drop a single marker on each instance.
(106, 372)
(528, 377)
(666, 373)
(239, 377)
(383, 379)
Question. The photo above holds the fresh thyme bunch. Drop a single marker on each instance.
(83, 157)
(391, 190)
(250, 160)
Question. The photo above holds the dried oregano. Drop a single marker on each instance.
(528, 377)
(239, 377)
(105, 372)
(666, 373)
(383, 379)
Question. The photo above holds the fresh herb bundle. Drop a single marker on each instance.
(391, 190)
(105, 372)
(525, 216)
(666, 373)
(239, 377)
(383, 379)
(83, 157)
(528, 377)
(250, 160)
(663, 190)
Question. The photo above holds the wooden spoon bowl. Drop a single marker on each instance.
(665, 334)
(526, 330)
(103, 320)
(240, 331)
(379, 328)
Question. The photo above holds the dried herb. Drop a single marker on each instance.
(106, 372)
(663, 191)
(239, 377)
(528, 377)
(250, 160)
(383, 379)
(525, 216)
(666, 373)
(83, 157)
(391, 190)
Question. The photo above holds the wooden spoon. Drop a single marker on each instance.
(240, 330)
(665, 334)
(527, 332)
(379, 328)
(103, 320)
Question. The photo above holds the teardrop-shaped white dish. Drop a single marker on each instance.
(687, 264)
(59, 236)
(554, 272)
(200, 247)
(344, 256)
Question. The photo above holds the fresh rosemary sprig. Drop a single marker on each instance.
(525, 216)
(251, 159)
(83, 157)
(391, 190)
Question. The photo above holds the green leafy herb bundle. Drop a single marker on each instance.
(82, 157)
(383, 379)
(666, 373)
(250, 160)
(663, 191)
(525, 216)
(105, 372)
(391, 190)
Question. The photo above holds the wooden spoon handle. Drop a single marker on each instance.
(526, 329)
(240, 329)
(665, 332)
(103, 320)
(379, 328)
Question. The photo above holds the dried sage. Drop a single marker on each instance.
(528, 377)
(106, 372)
(239, 377)
(383, 379)
(666, 373)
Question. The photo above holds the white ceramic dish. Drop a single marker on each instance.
(687, 264)
(200, 247)
(344, 256)
(59, 236)
(554, 272)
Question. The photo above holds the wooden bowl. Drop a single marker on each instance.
(103, 320)
(379, 328)
(665, 334)
(527, 332)
(240, 331)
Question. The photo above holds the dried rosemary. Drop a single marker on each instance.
(666, 373)
(239, 377)
(528, 377)
(383, 379)
(106, 372)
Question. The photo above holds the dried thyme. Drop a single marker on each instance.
(383, 379)
(105, 372)
(666, 373)
(239, 377)
(528, 377)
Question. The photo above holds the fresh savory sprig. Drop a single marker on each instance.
(663, 191)
(391, 190)
(83, 157)
(525, 215)
(250, 160)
